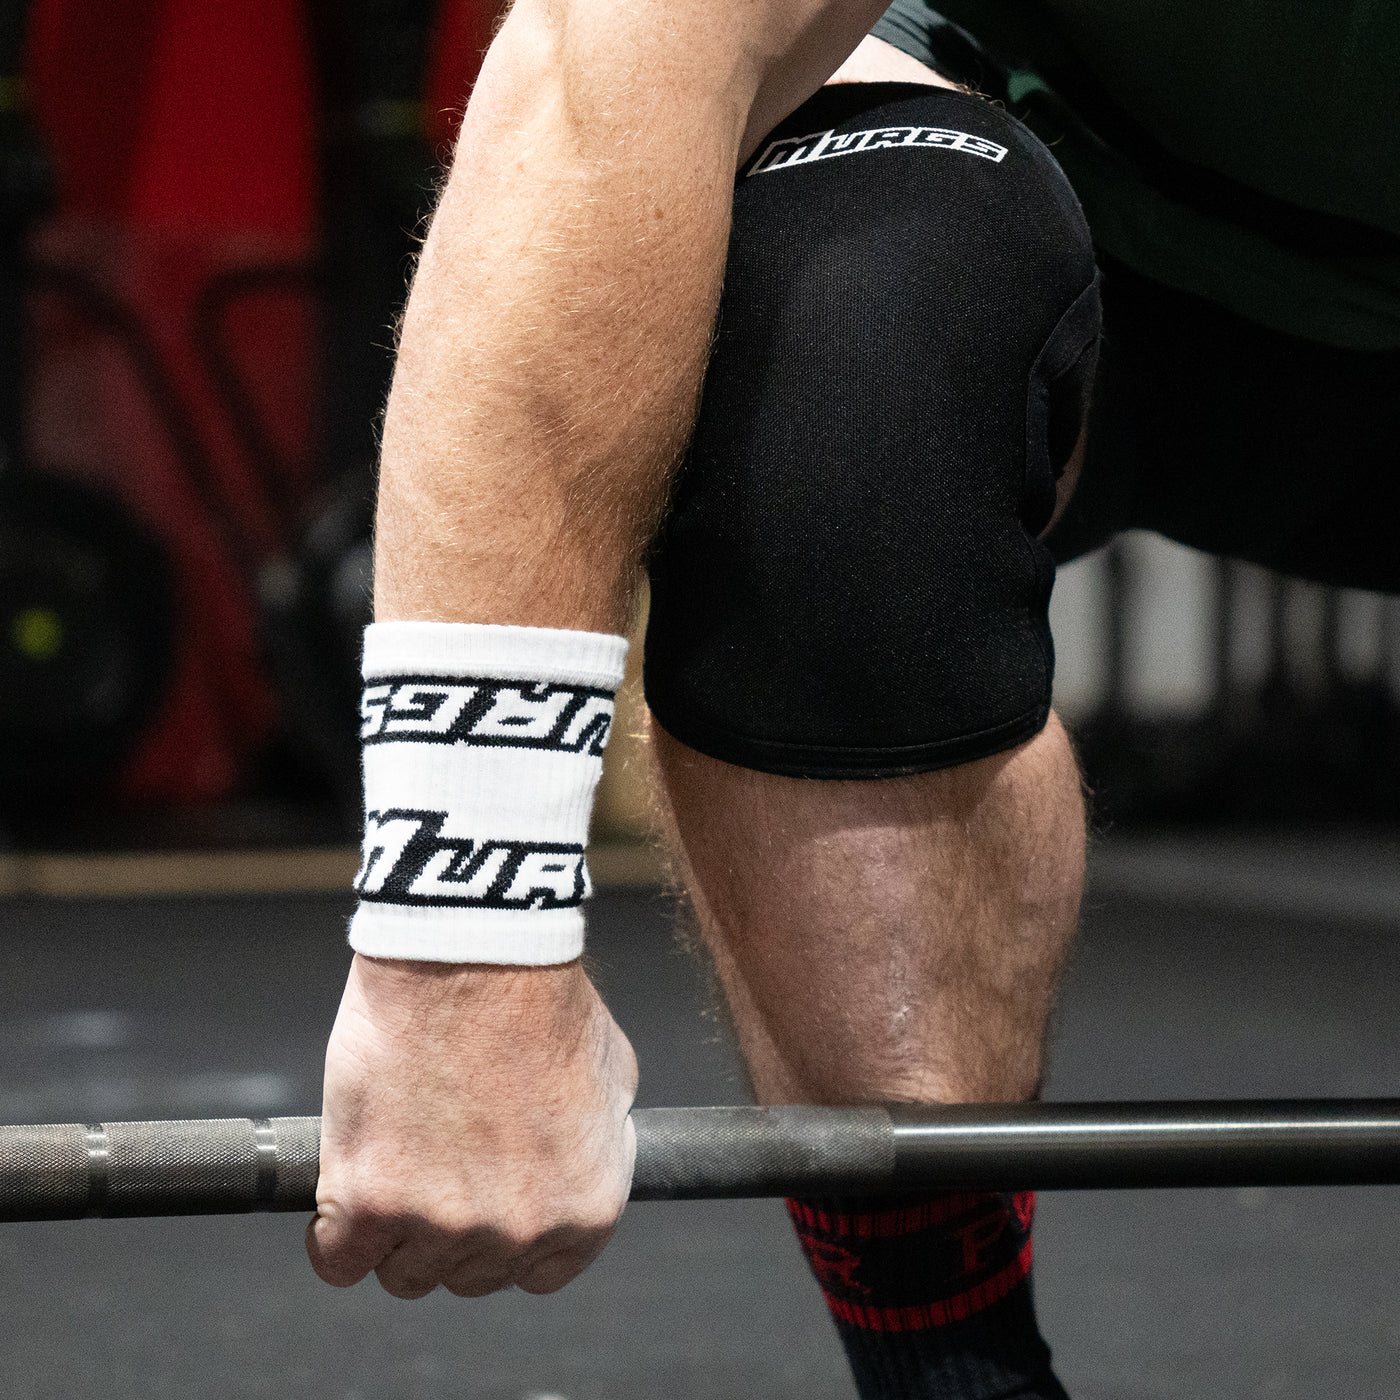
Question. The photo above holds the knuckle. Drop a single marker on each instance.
(551, 1273)
(337, 1275)
(524, 1231)
(631, 1074)
(477, 1285)
(469, 1235)
(599, 1213)
(586, 1231)
(406, 1288)
(403, 1216)
(561, 1225)
(463, 1225)
(357, 1212)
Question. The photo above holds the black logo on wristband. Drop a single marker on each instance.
(408, 861)
(493, 713)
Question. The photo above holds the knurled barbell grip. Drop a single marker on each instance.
(233, 1165)
(199, 1166)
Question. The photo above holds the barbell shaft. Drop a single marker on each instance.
(231, 1165)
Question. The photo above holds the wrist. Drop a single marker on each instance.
(483, 749)
(401, 996)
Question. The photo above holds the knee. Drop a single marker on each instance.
(850, 582)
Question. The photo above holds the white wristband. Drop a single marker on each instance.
(483, 746)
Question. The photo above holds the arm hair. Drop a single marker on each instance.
(556, 336)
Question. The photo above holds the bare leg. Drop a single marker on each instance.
(886, 940)
(897, 940)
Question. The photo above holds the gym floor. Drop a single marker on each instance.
(1207, 968)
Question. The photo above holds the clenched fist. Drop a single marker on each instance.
(474, 1131)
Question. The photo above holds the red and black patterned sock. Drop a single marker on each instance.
(931, 1295)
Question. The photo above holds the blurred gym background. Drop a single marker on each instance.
(209, 214)
(208, 211)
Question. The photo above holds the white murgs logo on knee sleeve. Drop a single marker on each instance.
(826, 145)
(487, 713)
(408, 861)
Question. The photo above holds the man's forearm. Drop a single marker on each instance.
(556, 336)
(475, 1128)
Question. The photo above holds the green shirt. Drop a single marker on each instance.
(1245, 150)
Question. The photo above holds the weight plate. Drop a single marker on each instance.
(86, 637)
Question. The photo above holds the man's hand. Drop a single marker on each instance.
(475, 1130)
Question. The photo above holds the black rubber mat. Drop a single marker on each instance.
(179, 1008)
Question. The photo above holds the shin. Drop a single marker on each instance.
(897, 940)
(883, 940)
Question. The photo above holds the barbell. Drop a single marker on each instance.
(222, 1166)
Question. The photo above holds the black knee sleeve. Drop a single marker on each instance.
(849, 582)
